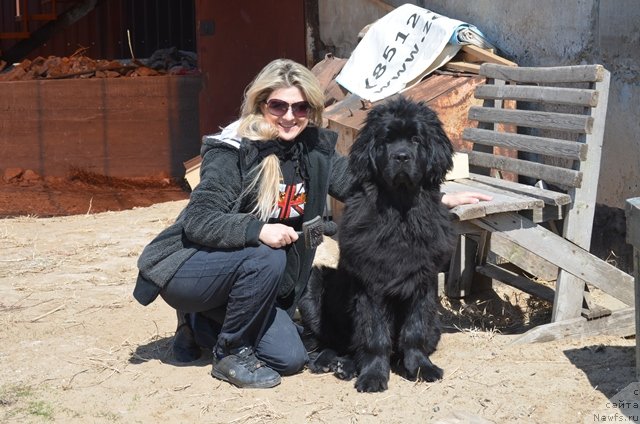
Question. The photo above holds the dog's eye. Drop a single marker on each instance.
(416, 139)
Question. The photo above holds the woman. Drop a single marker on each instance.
(233, 255)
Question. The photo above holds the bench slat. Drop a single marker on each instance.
(544, 120)
(527, 143)
(547, 173)
(527, 93)
(563, 74)
(501, 202)
(550, 197)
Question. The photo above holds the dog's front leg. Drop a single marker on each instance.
(372, 343)
(418, 338)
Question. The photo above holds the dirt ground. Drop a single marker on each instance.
(77, 348)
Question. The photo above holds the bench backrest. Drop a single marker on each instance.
(553, 117)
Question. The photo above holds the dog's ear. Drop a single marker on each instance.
(439, 150)
(362, 154)
(372, 157)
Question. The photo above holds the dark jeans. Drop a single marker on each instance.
(237, 288)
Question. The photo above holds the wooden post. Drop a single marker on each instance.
(633, 238)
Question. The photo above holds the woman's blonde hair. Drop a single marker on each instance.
(280, 73)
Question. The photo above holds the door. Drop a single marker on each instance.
(235, 39)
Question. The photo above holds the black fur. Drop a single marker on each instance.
(378, 310)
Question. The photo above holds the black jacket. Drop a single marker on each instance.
(218, 216)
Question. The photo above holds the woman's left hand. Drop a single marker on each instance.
(451, 200)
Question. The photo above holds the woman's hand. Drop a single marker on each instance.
(277, 235)
(452, 200)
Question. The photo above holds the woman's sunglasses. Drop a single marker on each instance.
(279, 108)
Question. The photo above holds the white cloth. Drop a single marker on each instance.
(399, 50)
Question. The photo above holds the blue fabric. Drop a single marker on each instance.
(230, 297)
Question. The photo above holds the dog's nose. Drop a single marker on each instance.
(401, 156)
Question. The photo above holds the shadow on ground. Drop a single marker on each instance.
(160, 350)
(608, 368)
(494, 310)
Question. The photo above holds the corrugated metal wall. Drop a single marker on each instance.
(153, 24)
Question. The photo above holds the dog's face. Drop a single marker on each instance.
(401, 147)
(397, 162)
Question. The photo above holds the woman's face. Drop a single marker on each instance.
(287, 109)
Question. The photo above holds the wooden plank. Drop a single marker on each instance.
(556, 74)
(562, 253)
(569, 297)
(580, 124)
(632, 212)
(472, 68)
(523, 258)
(578, 221)
(514, 280)
(556, 95)
(482, 55)
(547, 173)
(501, 202)
(527, 143)
(530, 204)
(620, 323)
(520, 201)
(549, 197)
(461, 267)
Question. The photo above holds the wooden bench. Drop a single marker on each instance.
(553, 119)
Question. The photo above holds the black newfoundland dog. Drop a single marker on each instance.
(378, 310)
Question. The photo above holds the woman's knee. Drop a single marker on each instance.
(281, 347)
(270, 263)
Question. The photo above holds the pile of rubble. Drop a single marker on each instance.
(162, 62)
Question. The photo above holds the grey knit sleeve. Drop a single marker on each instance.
(339, 179)
(213, 216)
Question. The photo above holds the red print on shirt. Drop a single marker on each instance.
(291, 201)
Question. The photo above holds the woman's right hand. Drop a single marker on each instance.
(277, 235)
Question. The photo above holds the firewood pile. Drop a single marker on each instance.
(166, 61)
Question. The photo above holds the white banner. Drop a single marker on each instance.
(398, 51)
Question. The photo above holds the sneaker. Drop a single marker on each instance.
(185, 348)
(244, 370)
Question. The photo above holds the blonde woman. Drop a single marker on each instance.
(232, 264)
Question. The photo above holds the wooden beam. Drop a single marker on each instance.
(569, 122)
(556, 74)
(528, 93)
(523, 258)
(562, 253)
(527, 143)
(548, 173)
(632, 212)
(482, 55)
(549, 197)
(620, 323)
(518, 281)
(472, 68)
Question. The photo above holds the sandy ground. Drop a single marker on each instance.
(77, 348)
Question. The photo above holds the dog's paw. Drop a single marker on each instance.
(322, 362)
(417, 366)
(345, 368)
(372, 383)
(430, 373)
